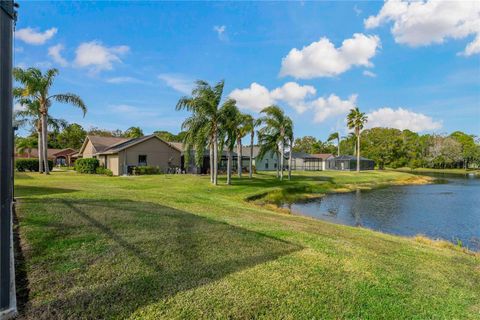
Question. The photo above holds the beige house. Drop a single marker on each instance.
(122, 154)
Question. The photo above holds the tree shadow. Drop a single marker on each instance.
(159, 252)
(26, 191)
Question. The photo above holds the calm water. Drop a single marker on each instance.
(450, 210)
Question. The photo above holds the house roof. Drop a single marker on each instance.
(246, 151)
(130, 142)
(34, 153)
(177, 145)
(65, 152)
(323, 156)
(101, 143)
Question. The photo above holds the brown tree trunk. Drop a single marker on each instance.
(215, 158)
(290, 160)
(250, 165)
(239, 157)
(358, 151)
(45, 144)
(40, 150)
(229, 167)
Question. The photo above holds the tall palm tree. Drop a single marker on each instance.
(277, 129)
(30, 114)
(335, 136)
(290, 157)
(356, 120)
(231, 120)
(203, 124)
(36, 86)
(250, 125)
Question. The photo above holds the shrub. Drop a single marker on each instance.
(87, 165)
(142, 170)
(105, 171)
(29, 164)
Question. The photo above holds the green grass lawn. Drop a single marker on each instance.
(162, 246)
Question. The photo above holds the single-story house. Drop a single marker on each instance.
(349, 163)
(121, 155)
(65, 157)
(269, 162)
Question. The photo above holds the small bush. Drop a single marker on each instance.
(105, 171)
(142, 170)
(87, 165)
(29, 164)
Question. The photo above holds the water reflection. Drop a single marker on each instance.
(449, 211)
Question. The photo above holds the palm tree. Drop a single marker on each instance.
(290, 157)
(250, 125)
(356, 121)
(36, 86)
(230, 121)
(278, 128)
(30, 114)
(335, 136)
(203, 124)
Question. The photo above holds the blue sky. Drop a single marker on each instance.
(131, 61)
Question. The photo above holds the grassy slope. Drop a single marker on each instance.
(430, 170)
(175, 246)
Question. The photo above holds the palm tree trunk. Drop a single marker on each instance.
(229, 167)
(278, 164)
(290, 160)
(40, 151)
(45, 144)
(211, 161)
(338, 146)
(250, 165)
(282, 159)
(358, 152)
(239, 157)
(215, 158)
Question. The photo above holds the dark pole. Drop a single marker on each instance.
(7, 16)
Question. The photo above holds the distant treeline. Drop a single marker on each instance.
(396, 148)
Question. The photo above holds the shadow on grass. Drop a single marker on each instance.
(26, 191)
(152, 252)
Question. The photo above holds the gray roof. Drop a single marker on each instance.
(102, 143)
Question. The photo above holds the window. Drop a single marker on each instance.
(266, 163)
(142, 160)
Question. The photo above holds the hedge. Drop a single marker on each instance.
(141, 170)
(105, 171)
(29, 164)
(87, 165)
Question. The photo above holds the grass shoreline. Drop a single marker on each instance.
(177, 247)
(439, 171)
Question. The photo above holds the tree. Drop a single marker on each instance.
(251, 124)
(470, 151)
(356, 121)
(72, 136)
(170, 137)
(133, 132)
(36, 86)
(335, 136)
(202, 126)
(231, 119)
(278, 127)
(307, 144)
(25, 145)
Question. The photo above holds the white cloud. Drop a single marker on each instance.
(322, 59)
(33, 36)
(254, 98)
(332, 106)
(369, 73)
(177, 82)
(294, 95)
(98, 57)
(420, 23)
(55, 53)
(357, 10)
(118, 80)
(401, 119)
(221, 32)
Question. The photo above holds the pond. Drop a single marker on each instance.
(448, 210)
